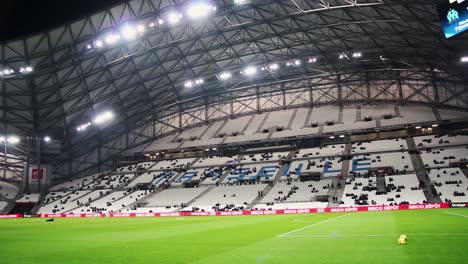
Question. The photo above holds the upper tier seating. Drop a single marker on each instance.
(264, 157)
(212, 161)
(300, 119)
(377, 111)
(379, 145)
(173, 164)
(156, 178)
(324, 151)
(163, 144)
(439, 141)
(443, 157)
(451, 184)
(278, 119)
(7, 190)
(411, 115)
(396, 160)
(325, 166)
(234, 126)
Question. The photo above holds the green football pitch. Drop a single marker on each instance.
(434, 236)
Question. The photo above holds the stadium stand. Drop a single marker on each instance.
(451, 184)
(8, 190)
(444, 157)
(228, 197)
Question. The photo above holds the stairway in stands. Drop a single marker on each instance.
(189, 203)
(421, 173)
(259, 198)
(340, 183)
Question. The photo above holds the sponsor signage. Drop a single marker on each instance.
(453, 16)
(260, 212)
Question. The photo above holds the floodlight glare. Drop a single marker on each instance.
(160, 21)
(199, 10)
(225, 75)
(357, 55)
(99, 43)
(464, 59)
(297, 62)
(342, 56)
(249, 71)
(312, 60)
(240, 2)
(141, 28)
(274, 67)
(104, 117)
(89, 46)
(128, 32)
(112, 39)
(13, 139)
(2, 139)
(46, 139)
(199, 81)
(188, 84)
(6, 72)
(174, 17)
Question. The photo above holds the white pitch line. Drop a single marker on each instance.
(314, 224)
(457, 214)
(377, 235)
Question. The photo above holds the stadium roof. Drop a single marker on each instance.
(83, 68)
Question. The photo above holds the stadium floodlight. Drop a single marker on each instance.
(249, 71)
(240, 2)
(128, 32)
(174, 17)
(2, 139)
(46, 139)
(342, 136)
(464, 59)
(225, 75)
(357, 55)
(342, 56)
(207, 149)
(7, 72)
(199, 10)
(274, 67)
(99, 43)
(332, 137)
(27, 69)
(13, 139)
(199, 81)
(297, 62)
(104, 117)
(112, 38)
(312, 60)
(418, 127)
(141, 28)
(89, 46)
(435, 125)
(188, 84)
(160, 21)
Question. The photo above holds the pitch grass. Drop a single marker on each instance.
(434, 236)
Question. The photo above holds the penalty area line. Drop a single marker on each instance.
(314, 224)
(456, 214)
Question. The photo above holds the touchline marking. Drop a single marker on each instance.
(457, 214)
(314, 224)
(376, 235)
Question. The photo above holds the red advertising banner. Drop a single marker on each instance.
(37, 174)
(262, 212)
